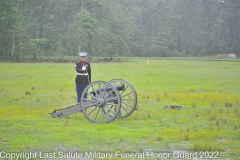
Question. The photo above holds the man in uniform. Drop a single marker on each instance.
(83, 77)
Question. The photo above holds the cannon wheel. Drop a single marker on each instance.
(128, 97)
(102, 102)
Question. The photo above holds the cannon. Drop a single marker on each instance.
(102, 102)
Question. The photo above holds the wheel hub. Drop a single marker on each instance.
(100, 102)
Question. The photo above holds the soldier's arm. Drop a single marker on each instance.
(78, 67)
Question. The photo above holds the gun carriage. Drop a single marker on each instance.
(102, 102)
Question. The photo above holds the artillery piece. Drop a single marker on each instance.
(102, 102)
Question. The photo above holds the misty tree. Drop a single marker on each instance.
(33, 29)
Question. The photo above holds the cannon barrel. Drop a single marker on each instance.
(119, 87)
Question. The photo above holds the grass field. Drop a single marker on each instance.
(208, 91)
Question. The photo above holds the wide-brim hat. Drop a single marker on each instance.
(82, 54)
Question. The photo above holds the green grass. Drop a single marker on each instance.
(207, 90)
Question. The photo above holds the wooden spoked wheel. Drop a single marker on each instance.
(128, 98)
(100, 102)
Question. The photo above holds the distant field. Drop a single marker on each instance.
(207, 89)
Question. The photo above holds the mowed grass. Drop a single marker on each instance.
(208, 91)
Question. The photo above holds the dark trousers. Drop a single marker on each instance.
(79, 89)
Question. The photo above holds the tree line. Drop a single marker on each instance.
(31, 29)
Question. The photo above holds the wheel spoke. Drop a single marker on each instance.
(92, 110)
(120, 113)
(127, 94)
(112, 104)
(94, 90)
(91, 95)
(108, 94)
(110, 109)
(127, 104)
(108, 115)
(105, 91)
(97, 113)
(127, 98)
(110, 99)
(102, 114)
(125, 109)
